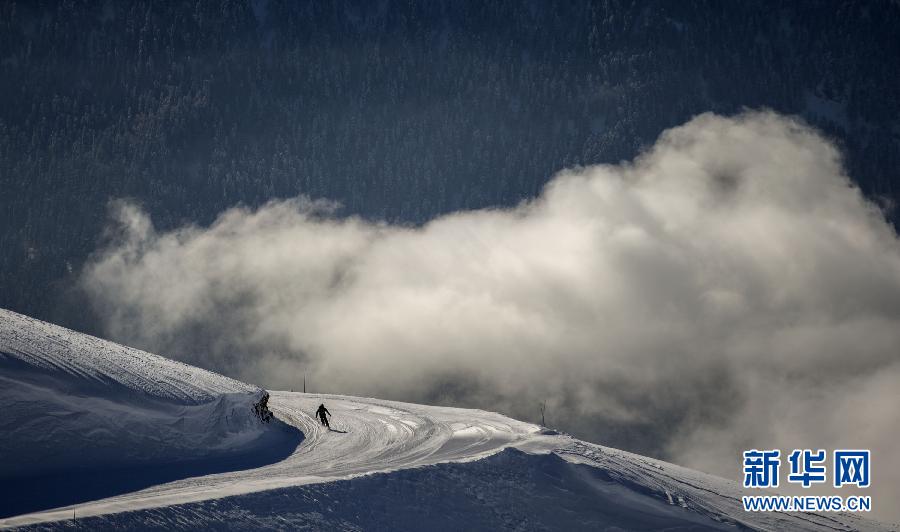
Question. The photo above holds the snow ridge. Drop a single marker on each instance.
(83, 418)
(96, 362)
(383, 464)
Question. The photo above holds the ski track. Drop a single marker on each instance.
(87, 360)
(367, 436)
(373, 436)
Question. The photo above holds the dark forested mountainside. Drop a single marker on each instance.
(398, 110)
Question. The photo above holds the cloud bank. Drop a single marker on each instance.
(728, 289)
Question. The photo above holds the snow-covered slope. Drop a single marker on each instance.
(74, 405)
(391, 465)
(325, 483)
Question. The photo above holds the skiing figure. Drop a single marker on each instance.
(322, 414)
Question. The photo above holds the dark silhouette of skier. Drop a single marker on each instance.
(322, 414)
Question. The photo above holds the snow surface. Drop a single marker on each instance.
(401, 466)
(72, 405)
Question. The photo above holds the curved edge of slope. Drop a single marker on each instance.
(509, 490)
(83, 419)
(66, 449)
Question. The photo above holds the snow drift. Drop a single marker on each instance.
(400, 466)
(83, 409)
(73, 405)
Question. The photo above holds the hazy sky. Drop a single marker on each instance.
(728, 289)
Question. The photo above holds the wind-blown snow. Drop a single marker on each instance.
(385, 464)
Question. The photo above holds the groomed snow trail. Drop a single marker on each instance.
(373, 436)
(383, 436)
(367, 436)
(64, 395)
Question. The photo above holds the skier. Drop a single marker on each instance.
(321, 413)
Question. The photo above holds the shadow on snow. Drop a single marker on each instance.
(20, 495)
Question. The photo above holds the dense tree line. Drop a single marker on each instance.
(399, 110)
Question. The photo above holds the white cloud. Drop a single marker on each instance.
(728, 289)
